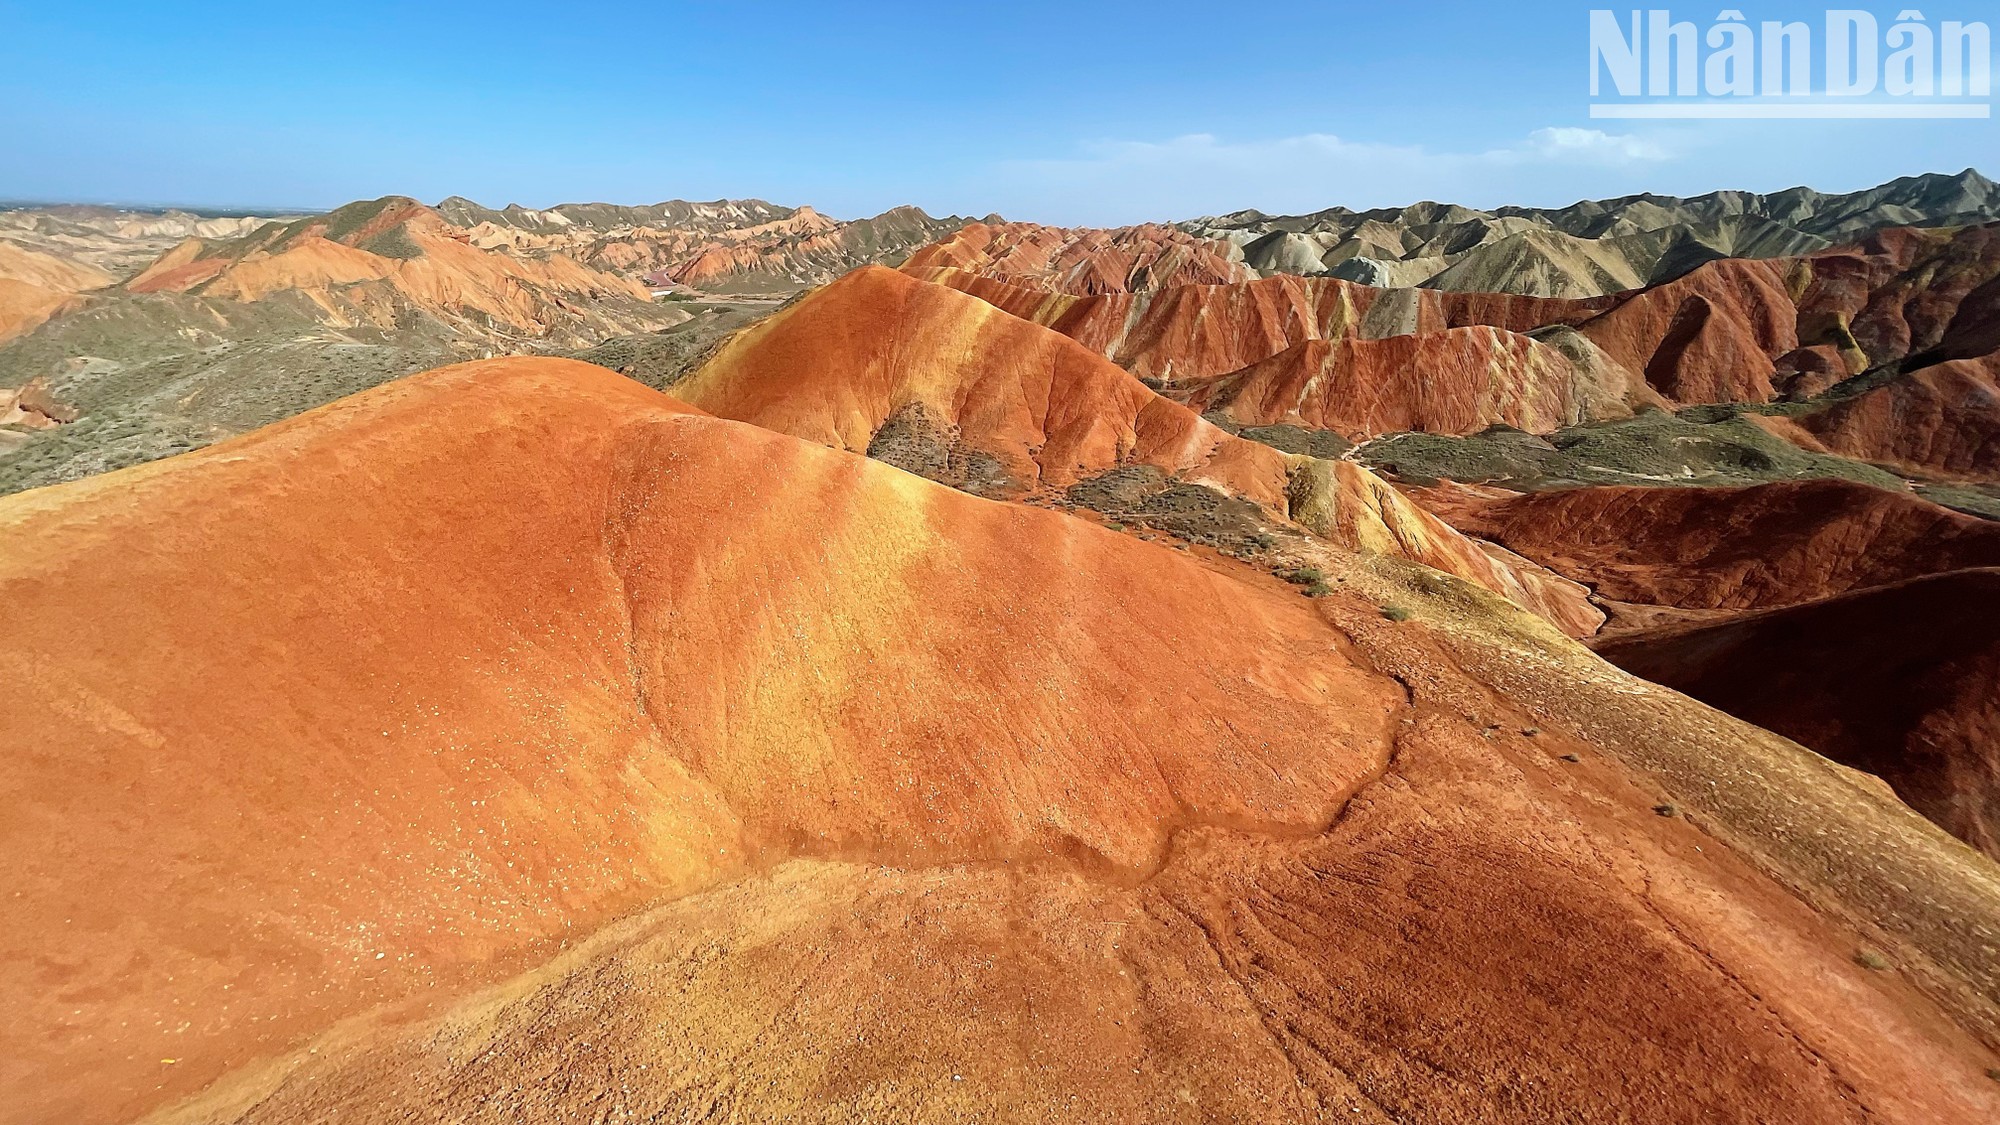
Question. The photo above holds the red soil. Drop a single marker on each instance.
(1941, 420)
(1711, 336)
(981, 811)
(1084, 261)
(1458, 381)
(1898, 681)
(1730, 548)
(434, 677)
(1729, 331)
(841, 364)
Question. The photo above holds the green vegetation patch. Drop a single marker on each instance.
(1706, 446)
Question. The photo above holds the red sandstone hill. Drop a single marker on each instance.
(371, 262)
(906, 805)
(877, 346)
(1942, 420)
(1197, 331)
(1085, 261)
(1457, 381)
(945, 385)
(1898, 680)
(1728, 548)
(1729, 331)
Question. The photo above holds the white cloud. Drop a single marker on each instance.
(1593, 145)
(1203, 174)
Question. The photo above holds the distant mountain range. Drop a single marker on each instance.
(1587, 249)
(129, 335)
(728, 246)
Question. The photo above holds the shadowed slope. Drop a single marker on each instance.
(1730, 548)
(1941, 419)
(1899, 681)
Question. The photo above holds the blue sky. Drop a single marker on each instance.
(1073, 112)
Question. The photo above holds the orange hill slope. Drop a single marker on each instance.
(35, 286)
(1942, 419)
(946, 385)
(364, 262)
(1759, 547)
(1085, 261)
(433, 677)
(877, 346)
(1898, 681)
(981, 812)
(1457, 381)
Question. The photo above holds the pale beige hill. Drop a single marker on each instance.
(35, 286)
(18, 263)
(1542, 264)
(1591, 248)
(115, 241)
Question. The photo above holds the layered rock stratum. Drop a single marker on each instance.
(1729, 331)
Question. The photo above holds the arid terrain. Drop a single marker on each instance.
(717, 662)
